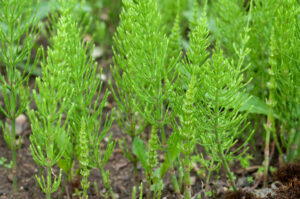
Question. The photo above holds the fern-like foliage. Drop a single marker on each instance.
(69, 71)
(196, 56)
(231, 19)
(144, 69)
(222, 121)
(49, 139)
(18, 34)
(284, 72)
(188, 112)
(211, 99)
(143, 49)
(169, 9)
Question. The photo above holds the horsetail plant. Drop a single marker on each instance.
(46, 123)
(284, 63)
(212, 102)
(196, 57)
(174, 54)
(18, 34)
(141, 56)
(222, 122)
(73, 73)
(49, 138)
(283, 86)
(129, 120)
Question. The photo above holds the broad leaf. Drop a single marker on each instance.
(139, 149)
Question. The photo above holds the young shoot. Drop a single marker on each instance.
(18, 34)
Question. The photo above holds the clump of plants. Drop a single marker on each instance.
(65, 126)
(186, 97)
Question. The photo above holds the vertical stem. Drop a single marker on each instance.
(48, 188)
(163, 136)
(180, 176)
(135, 170)
(220, 150)
(227, 169)
(14, 154)
(187, 179)
(174, 181)
(148, 194)
(106, 181)
(134, 162)
(207, 183)
(133, 135)
(133, 195)
(277, 143)
(270, 126)
(267, 149)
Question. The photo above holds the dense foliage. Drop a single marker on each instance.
(196, 82)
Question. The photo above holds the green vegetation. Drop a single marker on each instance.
(18, 35)
(194, 85)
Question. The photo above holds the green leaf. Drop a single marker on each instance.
(255, 105)
(139, 149)
(173, 150)
(63, 143)
(65, 165)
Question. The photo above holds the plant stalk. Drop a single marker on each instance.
(267, 149)
(174, 181)
(187, 180)
(270, 126)
(48, 188)
(227, 169)
(220, 151)
(14, 154)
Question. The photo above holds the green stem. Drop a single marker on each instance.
(207, 183)
(135, 170)
(277, 145)
(14, 154)
(227, 169)
(267, 150)
(187, 179)
(134, 162)
(48, 189)
(180, 176)
(270, 126)
(174, 181)
(133, 195)
(107, 183)
(163, 136)
(220, 150)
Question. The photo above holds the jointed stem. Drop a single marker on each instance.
(14, 154)
(48, 189)
(187, 180)
(270, 126)
(267, 155)
(174, 181)
(220, 150)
